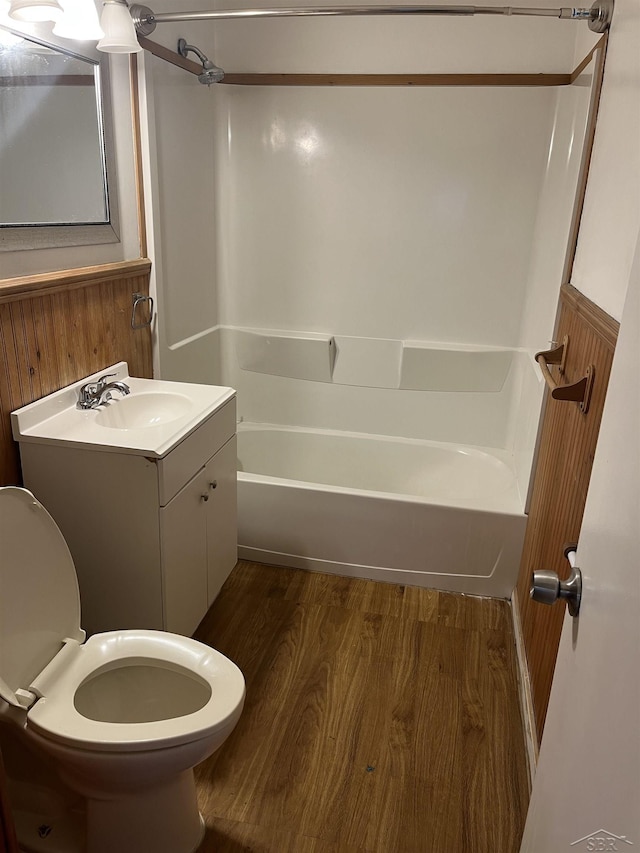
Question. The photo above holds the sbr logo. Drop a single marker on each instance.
(602, 841)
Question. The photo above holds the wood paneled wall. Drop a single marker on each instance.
(56, 328)
(563, 469)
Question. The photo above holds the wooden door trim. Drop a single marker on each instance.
(600, 54)
(596, 318)
(137, 153)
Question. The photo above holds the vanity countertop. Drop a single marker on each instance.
(150, 421)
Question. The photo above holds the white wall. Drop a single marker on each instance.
(395, 44)
(611, 216)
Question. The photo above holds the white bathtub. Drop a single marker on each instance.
(400, 510)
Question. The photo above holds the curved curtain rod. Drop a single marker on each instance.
(598, 16)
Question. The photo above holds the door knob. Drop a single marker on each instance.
(547, 588)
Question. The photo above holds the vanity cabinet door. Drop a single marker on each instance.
(183, 545)
(199, 541)
(222, 517)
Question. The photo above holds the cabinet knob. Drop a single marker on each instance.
(213, 484)
(204, 497)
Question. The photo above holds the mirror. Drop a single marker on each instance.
(56, 184)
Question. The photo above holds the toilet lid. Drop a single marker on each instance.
(39, 596)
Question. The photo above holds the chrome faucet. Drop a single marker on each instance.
(94, 394)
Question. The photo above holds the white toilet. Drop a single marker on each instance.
(125, 715)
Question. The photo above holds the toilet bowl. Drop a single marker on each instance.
(125, 715)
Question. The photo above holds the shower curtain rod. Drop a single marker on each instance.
(598, 16)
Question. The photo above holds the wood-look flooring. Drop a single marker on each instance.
(378, 717)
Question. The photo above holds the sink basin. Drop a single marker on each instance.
(140, 411)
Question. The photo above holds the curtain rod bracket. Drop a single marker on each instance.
(600, 16)
(144, 19)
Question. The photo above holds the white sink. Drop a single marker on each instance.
(151, 420)
(140, 411)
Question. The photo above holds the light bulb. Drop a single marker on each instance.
(80, 21)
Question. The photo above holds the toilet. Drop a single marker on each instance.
(125, 715)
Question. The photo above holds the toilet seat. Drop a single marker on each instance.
(55, 716)
(44, 662)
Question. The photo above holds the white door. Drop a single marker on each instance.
(586, 795)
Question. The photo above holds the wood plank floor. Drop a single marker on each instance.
(378, 718)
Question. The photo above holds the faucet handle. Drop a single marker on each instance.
(103, 380)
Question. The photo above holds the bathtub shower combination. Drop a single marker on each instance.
(376, 498)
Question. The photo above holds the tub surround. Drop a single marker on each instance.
(368, 278)
(364, 477)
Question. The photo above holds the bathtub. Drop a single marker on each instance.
(400, 510)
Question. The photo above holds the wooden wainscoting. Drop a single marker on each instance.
(563, 469)
(56, 328)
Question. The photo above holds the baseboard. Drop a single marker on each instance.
(526, 696)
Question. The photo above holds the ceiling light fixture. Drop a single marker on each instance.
(35, 11)
(119, 31)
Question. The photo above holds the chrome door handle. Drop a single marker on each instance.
(547, 588)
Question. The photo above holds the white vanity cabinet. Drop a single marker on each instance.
(153, 539)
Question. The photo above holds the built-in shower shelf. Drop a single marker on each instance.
(307, 356)
(473, 369)
(374, 362)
